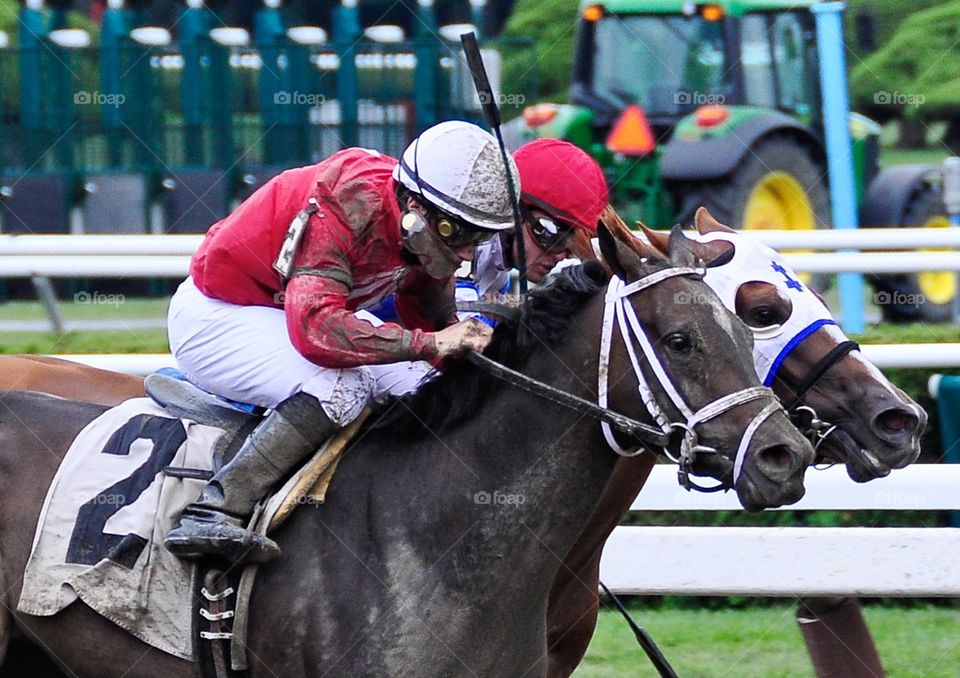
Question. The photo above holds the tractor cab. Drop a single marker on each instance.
(673, 58)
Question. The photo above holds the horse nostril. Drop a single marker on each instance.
(896, 421)
(775, 457)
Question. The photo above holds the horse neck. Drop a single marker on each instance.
(551, 460)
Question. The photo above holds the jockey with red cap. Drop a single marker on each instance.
(273, 312)
(562, 197)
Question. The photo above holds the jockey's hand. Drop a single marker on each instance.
(464, 335)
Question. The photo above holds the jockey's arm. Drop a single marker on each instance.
(320, 320)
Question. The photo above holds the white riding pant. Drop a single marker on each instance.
(245, 353)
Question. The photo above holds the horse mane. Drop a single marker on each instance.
(454, 396)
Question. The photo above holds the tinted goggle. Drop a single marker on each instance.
(456, 233)
(546, 231)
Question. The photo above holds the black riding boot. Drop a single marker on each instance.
(216, 523)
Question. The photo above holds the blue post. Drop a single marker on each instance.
(477, 9)
(426, 48)
(346, 31)
(836, 109)
(194, 29)
(270, 38)
(33, 27)
(114, 32)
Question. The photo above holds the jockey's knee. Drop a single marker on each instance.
(342, 393)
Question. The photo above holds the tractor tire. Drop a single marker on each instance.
(777, 185)
(926, 296)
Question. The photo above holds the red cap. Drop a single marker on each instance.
(563, 181)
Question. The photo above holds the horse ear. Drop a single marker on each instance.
(707, 224)
(682, 249)
(659, 239)
(613, 251)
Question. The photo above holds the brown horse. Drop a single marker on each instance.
(494, 572)
(879, 428)
(67, 379)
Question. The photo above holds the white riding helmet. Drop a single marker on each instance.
(456, 167)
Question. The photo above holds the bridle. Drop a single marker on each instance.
(803, 416)
(665, 432)
(617, 309)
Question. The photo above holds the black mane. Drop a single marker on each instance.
(454, 397)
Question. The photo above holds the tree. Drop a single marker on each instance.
(912, 76)
(553, 23)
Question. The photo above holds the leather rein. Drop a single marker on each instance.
(618, 311)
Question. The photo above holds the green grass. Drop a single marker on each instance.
(913, 642)
(113, 307)
(897, 156)
(152, 340)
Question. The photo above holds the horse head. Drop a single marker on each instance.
(698, 381)
(852, 412)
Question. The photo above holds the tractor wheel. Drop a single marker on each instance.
(928, 295)
(777, 185)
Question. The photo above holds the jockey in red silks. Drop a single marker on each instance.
(563, 196)
(273, 312)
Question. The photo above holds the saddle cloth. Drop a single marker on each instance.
(100, 533)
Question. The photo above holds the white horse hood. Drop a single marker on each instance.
(755, 262)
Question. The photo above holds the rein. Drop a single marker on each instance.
(631, 328)
(644, 432)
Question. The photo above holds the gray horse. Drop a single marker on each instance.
(448, 519)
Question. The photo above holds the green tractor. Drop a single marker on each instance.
(718, 104)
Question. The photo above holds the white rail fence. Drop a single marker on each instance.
(683, 560)
(153, 256)
(882, 355)
(765, 561)
(794, 561)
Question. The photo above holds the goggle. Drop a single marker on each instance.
(546, 231)
(455, 233)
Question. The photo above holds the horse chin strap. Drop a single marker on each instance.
(631, 331)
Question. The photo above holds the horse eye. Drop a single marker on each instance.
(678, 342)
(762, 316)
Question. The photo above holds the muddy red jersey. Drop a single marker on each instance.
(351, 257)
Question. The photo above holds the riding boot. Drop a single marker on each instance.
(216, 523)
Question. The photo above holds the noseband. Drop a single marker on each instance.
(631, 331)
(803, 416)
